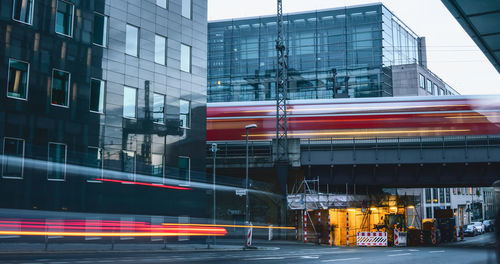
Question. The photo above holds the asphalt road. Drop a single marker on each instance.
(478, 249)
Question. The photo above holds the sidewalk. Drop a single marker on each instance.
(36, 248)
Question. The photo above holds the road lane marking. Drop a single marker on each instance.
(266, 258)
(413, 250)
(394, 250)
(396, 255)
(310, 257)
(437, 251)
(334, 260)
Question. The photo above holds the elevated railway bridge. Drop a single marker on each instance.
(391, 142)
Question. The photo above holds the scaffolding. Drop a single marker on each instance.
(366, 212)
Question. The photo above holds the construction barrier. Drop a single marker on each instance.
(347, 228)
(402, 239)
(305, 226)
(433, 237)
(249, 235)
(319, 227)
(454, 233)
(372, 239)
(396, 237)
(330, 232)
(461, 233)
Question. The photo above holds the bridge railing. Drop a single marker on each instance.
(233, 152)
(400, 142)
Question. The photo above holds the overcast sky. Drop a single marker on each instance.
(451, 53)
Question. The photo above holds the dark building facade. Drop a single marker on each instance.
(117, 86)
(341, 52)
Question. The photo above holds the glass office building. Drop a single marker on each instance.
(341, 52)
(98, 91)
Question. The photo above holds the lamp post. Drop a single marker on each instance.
(247, 213)
(214, 150)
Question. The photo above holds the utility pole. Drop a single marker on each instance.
(281, 92)
(214, 151)
(281, 157)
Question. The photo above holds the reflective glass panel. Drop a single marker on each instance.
(184, 170)
(64, 18)
(97, 95)
(60, 88)
(131, 45)
(18, 79)
(13, 151)
(186, 8)
(185, 113)
(128, 164)
(23, 11)
(185, 58)
(161, 3)
(160, 44)
(94, 160)
(129, 102)
(100, 29)
(157, 165)
(158, 108)
(57, 161)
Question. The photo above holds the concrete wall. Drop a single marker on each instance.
(405, 80)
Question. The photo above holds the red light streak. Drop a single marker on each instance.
(145, 184)
(104, 228)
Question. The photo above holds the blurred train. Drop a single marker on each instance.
(363, 117)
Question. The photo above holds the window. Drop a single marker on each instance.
(60, 87)
(186, 8)
(429, 86)
(158, 108)
(448, 199)
(441, 195)
(22, 11)
(184, 168)
(162, 3)
(132, 39)
(441, 92)
(18, 77)
(185, 113)
(160, 44)
(13, 158)
(97, 95)
(100, 29)
(129, 102)
(185, 58)
(64, 18)
(435, 195)
(435, 89)
(56, 170)
(428, 212)
(94, 160)
(157, 165)
(421, 81)
(428, 196)
(128, 164)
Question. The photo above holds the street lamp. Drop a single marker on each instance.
(214, 150)
(247, 214)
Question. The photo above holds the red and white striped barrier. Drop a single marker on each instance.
(319, 227)
(249, 235)
(433, 237)
(329, 231)
(396, 237)
(347, 228)
(305, 226)
(372, 239)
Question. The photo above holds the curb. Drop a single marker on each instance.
(167, 250)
